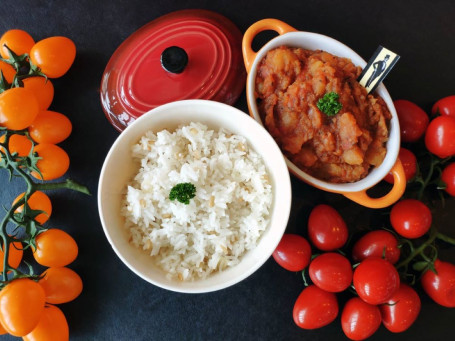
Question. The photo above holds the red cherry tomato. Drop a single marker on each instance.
(448, 176)
(440, 136)
(445, 106)
(331, 272)
(360, 320)
(413, 120)
(315, 308)
(400, 312)
(441, 286)
(409, 162)
(376, 280)
(326, 228)
(410, 218)
(376, 244)
(293, 252)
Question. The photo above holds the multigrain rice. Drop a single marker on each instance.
(221, 223)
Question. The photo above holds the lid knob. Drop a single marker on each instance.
(174, 59)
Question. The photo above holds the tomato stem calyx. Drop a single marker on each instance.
(24, 69)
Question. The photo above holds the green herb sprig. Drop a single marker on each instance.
(183, 192)
(329, 104)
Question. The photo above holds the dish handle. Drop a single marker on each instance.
(262, 25)
(399, 186)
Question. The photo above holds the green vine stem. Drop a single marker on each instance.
(7, 239)
(424, 183)
(419, 251)
(68, 184)
(445, 238)
(24, 69)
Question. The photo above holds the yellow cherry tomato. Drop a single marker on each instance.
(51, 327)
(21, 306)
(18, 108)
(54, 161)
(18, 41)
(61, 285)
(37, 201)
(43, 90)
(55, 248)
(8, 71)
(19, 144)
(50, 127)
(14, 255)
(53, 55)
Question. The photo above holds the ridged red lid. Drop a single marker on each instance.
(201, 60)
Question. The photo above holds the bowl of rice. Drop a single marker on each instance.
(194, 196)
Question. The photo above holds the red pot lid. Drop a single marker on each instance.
(188, 54)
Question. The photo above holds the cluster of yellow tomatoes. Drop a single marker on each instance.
(27, 107)
(27, 304)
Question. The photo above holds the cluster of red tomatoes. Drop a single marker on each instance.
(369, 271)
(27, 305)
(439, 135)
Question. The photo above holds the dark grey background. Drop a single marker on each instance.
(118, 305)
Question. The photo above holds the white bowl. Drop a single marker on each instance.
(289, 36)
(118, 170)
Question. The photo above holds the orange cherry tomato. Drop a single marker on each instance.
(14, 255)
(2, 330)
(52, 326)
(18, 108)
(50, 127)
(53, 55)
(8, 71)
(43, 90)
(21, 306)
(18, 41)
(54, 163)
(55, 248)
(19, 144)
(37, 201)
(61, 285)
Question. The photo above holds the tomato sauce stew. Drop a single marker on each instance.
(340, 148)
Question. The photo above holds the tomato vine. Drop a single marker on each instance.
(21, 225)
(25, 220)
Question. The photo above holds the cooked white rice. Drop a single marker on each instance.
(220, 224)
